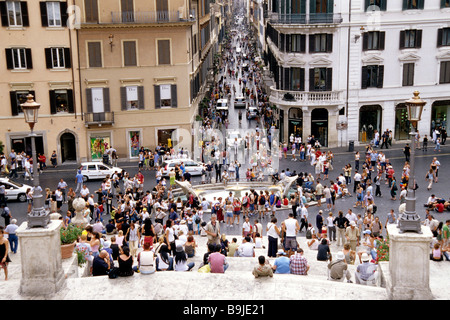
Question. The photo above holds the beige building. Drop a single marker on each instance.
(37, 57)
(143, 66)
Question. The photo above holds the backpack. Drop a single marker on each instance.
(197, 219)
(308, 234)
(262, 200)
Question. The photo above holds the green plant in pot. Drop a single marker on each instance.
(69, 236)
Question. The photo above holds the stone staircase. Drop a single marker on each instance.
(236, 283)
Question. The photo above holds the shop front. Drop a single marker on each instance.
(319, 125)
(402, 125)
(439, 115)
(295, 122)
(370, 117)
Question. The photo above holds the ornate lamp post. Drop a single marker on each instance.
(410, 220)
(38, 217)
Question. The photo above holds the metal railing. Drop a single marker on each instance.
(98, 118)
(303, 18)
(151, 17)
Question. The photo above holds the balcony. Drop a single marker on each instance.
(302, 18)
(98, 118)
(146, 17)
(302, 98)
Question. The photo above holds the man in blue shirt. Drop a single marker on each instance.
(281, 263)
(272, 202)
(79, 181)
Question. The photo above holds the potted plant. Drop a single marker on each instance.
(69, 236)
(289, 97)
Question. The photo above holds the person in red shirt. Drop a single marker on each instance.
(42, 161)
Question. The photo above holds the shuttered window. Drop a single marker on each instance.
(129, 54)
(163, 52)
(91, 11)
(408, 74)
(166, 96)
(95, 54)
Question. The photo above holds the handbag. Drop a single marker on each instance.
(113, 273)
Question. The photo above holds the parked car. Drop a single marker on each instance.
(193, 167)
(15, 190)
(252, 112)
(97, 170)
(239, 102)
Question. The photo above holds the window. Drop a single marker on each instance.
(14, 14)
(57, 58)
(321, 42)
(91, 11)
(95, 54)
(410, 39)
(443, 37)
(320, 79)
(408, 74)
(18, 58)
(17, 98)
(375, 5)
(61, 101)
(127, 10)
(413, 4)
(372, 77)
(166, 96)
(298, 79)
(373, 40)
(321, 6)
(163, 52)
(97, 100)
(445, 3)
(53, 14)
(129, 54)
(293, 79)
(132, 97)
(293, 42)
(445, 72)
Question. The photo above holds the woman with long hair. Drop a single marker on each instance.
(148, 231)
(180, 260)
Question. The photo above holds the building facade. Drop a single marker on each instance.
(124, 74)
(343, 69)
(38, 57)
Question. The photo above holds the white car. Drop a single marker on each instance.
(222, 104)
(15, 190)
(97, 170)
(191, 166)
(252, 113)
(239, 102)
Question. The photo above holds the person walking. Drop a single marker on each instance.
(10, 230)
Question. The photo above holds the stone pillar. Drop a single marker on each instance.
(333, 115)
(306, 123)
(409, 264)
(40, 253)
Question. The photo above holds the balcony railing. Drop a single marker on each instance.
(305, 98)
(302, 18)
(151, 17)
(99, 118)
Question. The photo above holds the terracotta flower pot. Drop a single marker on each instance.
(67, 250)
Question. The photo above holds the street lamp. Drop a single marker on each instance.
(38, 217)
(410, 220)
